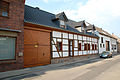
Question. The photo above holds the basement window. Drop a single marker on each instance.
(4, 8)
(59, 46)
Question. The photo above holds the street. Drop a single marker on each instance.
(97, 69)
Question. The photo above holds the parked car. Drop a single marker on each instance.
(106, 54)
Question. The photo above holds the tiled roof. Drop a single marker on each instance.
(40, 17)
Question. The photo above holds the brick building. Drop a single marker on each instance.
(11, 34)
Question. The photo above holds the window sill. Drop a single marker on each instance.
(4, 16)
(7, 61)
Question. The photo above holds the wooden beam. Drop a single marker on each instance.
(56, 47)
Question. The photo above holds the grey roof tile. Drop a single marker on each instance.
(40, 17)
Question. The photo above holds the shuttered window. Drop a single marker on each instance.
(7, 48)
(4, 8)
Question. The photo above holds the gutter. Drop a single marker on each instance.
(12, 30)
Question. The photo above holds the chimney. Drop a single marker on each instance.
(37, 8)
(93, 29)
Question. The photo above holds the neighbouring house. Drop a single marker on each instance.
(118, 42)
(50, 38)
(106, 41)
(11, 34)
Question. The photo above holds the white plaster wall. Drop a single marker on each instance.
(70, 36)
(65, 41)
(84, 37)
(79, 37)
(76, 53)
(55, 54)
(113, 42)
(105, 38)
(75, 43)
(65, 54)
(75, 36)
(56, 34)
(54, 48)
(54, 40)
(65, 35)
(65, 47)
(80, 52)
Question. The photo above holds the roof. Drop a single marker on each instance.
(62, 16)
(40, 17)
(118, 39)
(100, 30)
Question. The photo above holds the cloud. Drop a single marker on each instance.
(46, 1)
(96, 11)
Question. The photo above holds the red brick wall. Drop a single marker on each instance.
(14, 21)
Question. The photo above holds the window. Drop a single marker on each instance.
(79, 46)
(7, 48)
(62, 24)
(85, 46)
(59, 46)
(92, 46)
(114, 47)
(100, 45)
(95, 46)
(4, 8)
(101, 39)
(88, 46)
(103, 45)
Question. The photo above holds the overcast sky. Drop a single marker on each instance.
(102, 13)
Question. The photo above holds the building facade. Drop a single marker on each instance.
(49, 39)
(11, 34)
(106, 41)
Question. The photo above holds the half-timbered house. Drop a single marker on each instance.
(50, 38)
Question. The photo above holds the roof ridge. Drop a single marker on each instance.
(39, 9)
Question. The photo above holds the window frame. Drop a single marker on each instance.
(15, 48)
(3, 9)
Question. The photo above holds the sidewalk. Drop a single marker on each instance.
(24, 71)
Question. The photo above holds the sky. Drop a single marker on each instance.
(102, 13)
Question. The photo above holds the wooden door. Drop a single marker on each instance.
(71, 49)
(107, 46)
(36, 48)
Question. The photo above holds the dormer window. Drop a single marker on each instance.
(62, 24)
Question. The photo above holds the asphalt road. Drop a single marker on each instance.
(97, 69)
